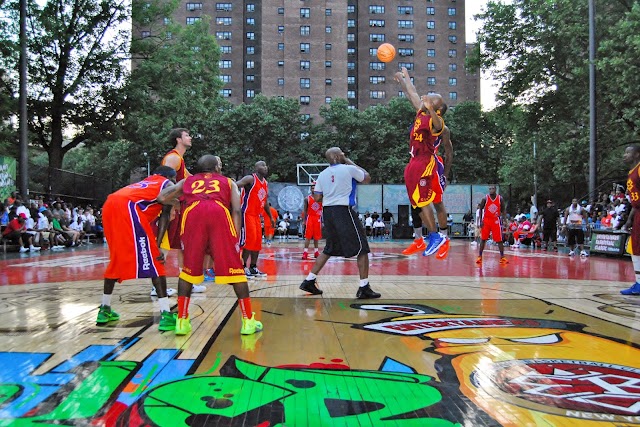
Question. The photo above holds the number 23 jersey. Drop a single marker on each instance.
(207, 186)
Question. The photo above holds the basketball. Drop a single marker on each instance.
(386, 52)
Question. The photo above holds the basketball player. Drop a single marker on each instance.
(269, 228)
(425, 174)
(632, 158)
(312, 214)
(344, 232)
(211, 220)
(574, 216)
(175, 159)
(133, 252)
(492, 214)
(255, 192)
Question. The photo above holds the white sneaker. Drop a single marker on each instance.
(474, 243)
(153, 292)
(198, 289)
(584, 253)
(33, 248)
(171, 292)
(23, 250)
(572, 253)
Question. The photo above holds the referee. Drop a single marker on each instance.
(345, 237)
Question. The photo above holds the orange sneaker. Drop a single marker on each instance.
(443, 252)
(418, 245)
(504, 261)
(479, 260)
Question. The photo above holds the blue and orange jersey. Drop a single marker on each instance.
(314, 209)
(424, 142)
(144, 194)
(253, 201)
(181, 172)
(207, 186)
(633, 186)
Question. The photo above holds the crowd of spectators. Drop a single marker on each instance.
(37, 223)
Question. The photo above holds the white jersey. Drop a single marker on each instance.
(337, 184)
(575, 215)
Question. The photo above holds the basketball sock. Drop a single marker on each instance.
(245, 307)
(106, 300)
(253, 265)
(311, 276)
(444, 231)
(183, 307)
(636, 266)
(418, 233)
(164, 304)
(364, 282)
(306, 250)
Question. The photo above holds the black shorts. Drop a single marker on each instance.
(344, 232)
(550, 234)
(575, 235)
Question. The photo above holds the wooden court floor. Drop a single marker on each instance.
(546, 340)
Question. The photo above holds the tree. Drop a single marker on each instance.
(75, 68)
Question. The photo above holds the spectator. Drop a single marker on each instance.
(79, 227)
(16, 231)
(368, 224)
(387, 216)
(378, 228)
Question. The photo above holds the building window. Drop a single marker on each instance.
(431, 53)
(351, 8)
(193, 19)
(431, 66)
(191, 7)
(451, 11)
(405, 38)
(251, 78)
(407, 65)
(431, 38)
(327, 12)
(280, 46)
(453, 53)
(305, 30)
(305, 83)
(327, 46)
(431, 81)
(401, 94)
(431, 10)
(251, 35)
(373, 51)
(376, 80)
(251, 7)
(225, 93)
(225, 49)
(453, 67)
(224, 63)
(305, 117)
(431, 25)
(376, 9)
(167, 21)
(377, 94)
(453, 81)
(351, 80)
(280, 81)
(453, 39)
(305, 100)
(351, 37)
(305, 47)
(280, 63)
(351, 23)
(351, 51)
(327, 29)
(376, 38)
(453, 95)
(168, 35)
(226, 78)
(351, 94)
(305, 65)
(351, 66)
(223, 20)
(251, 93)
(405, 10)
(250, 50)
(405, 52)
(145, 34)
(224, 7)
(251, 21)
(327, 100)
(305, 12)
(377, 66)
(376, 22)
(223, 35)
(328, 82)
(327, 64)
(402, 24)
(281, 11)
(351, 107)
(280, 29)
(251, 65)
(452, 25)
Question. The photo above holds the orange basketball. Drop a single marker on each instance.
(386, 52)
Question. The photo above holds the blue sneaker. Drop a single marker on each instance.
(435, 241)
(209, 275)
(633, 290)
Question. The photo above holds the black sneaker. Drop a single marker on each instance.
(257, 273)
(310, 286)
(365, 292)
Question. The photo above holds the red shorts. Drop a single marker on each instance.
(313, 228)
(269, 231)
(251, 239)
(207, 228)
(424, 178)
(635, 236)
(173, 232)
(491, 227)
(133, 251)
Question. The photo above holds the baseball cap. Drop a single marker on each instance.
(23, 215)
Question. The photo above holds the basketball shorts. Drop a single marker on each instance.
(634, 244)
(207, 228)
(133, 251)
(492, 228)
(313, 228)
(344, 232)
(575, 235)
(550, 234)
(425, 181)
(251, 238)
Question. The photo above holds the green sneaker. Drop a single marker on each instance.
(167, 321)
(106, 315)
(183, 326)
(250, 326)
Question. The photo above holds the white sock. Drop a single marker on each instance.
(444, 231)
(635, 259)
(106, 300)
(306, 250)
(418, 233)
(311, 276)
(364, 282)
(164, 304)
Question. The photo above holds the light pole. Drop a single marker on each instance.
(148, 163)
(534, 199)
(592, 99)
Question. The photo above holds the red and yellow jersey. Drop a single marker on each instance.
(144, 194)
(253, 201)
(181, 172)
(633, 186)
(492, 209)
(207, 186)
(423, 141)
(314, 209)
